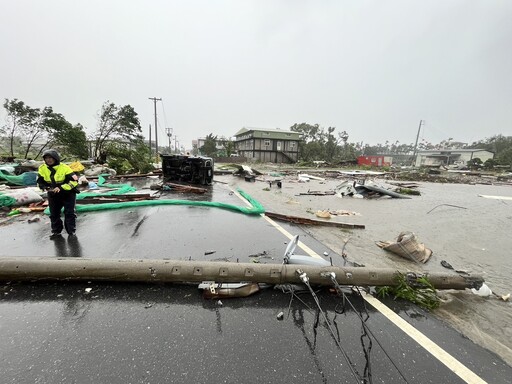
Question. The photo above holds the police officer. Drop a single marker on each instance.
(60, 181)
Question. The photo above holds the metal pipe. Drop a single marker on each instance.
(166, 271)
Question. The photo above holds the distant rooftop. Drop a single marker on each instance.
(247, 129)
(454, 150)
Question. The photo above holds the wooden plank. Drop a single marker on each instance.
(306, 221)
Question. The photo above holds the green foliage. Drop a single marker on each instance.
(30, 131)
(133, 157)
(70, 139)
(229, 146)
(210, 146)
(505, 157)
(490, 163)
(408, 191)
(495, 144)
(23, 123)
(115, 122)
(420, 291)
(392, 148)
(475, 163)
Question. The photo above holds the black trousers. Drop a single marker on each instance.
(57, 201)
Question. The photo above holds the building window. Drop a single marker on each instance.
(266, 143)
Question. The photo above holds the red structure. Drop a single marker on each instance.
(375, 161)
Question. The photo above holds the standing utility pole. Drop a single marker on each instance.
(156, 129)
(416, 144)
(169, 135)
(150, 149)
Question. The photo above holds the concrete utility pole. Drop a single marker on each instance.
(156, 128)
(416, 144)
(150, 149)
(169, 135)
(16, 268)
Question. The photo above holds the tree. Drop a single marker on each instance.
(20, 120)
(36, 130)
(209, 147)
(32, 130)
(332, 148)
(70, 137)
(309, 132)
(505, 157)
(115, 122)
(229, 146)
(132, 157)
(312, 143)
(475, 163)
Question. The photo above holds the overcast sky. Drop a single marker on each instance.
(371, 68)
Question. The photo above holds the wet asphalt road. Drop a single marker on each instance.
(132, 333)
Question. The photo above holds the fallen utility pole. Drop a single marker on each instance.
(170, 271)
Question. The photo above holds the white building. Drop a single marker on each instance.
(451, 156)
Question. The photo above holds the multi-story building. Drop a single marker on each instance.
(268, 145)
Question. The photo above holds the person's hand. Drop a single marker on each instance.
(56, 190)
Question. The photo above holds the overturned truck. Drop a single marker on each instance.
(188, 169)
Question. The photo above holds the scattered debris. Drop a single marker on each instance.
(306, 177)
(264, 253)
(408, 191)
(174, 187)
(291, 258)
(34, 219)
(280, 315)
(448, 205)
(408, 247)
(355, 189)
(405, 185)
(317, 193)
(306, 221)
(115, 198)
(496, 197)
(342, 212)
(213, 290)
(323, 214)
(483, 291)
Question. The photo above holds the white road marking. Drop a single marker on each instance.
(435, 350)
(303, 246)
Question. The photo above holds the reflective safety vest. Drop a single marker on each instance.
(60, 175)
